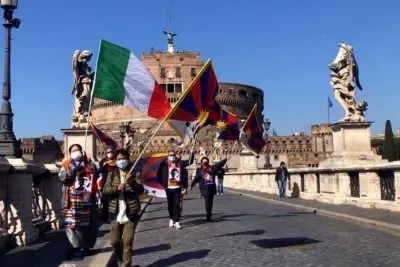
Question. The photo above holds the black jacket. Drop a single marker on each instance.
(278, 172)
(198, 178)
(162, 172)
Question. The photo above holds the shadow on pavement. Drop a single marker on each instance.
(182, 257)
(251, 232)
(161, 247)
(291, 242)
(48, 251)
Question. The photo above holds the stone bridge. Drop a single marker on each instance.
(335, 217)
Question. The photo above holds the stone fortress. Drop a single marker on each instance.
(174, 70)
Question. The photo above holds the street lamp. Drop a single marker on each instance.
(9, 146)
(267, 126)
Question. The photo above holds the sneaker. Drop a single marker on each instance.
(171, 223)
(177, 226)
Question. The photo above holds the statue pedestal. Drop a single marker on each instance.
(77, 136)
(351, 145)
(248, 161)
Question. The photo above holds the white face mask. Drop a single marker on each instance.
(171, 158)
(76, 155)
(122, 164)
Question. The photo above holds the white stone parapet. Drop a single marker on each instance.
(373, 186)
(17, 218)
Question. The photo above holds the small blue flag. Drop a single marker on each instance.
(329, 102)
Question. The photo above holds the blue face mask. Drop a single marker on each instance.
(122, 163)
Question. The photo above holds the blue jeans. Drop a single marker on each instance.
(220, 188)
(282, 188)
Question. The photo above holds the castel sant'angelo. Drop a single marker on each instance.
(174, 70)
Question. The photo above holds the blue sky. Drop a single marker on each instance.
(280, 46)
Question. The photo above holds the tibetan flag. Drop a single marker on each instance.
(148, 166)
(229, 126)
(192, 109)
(103, 138)
(122, 78)
(251, 135)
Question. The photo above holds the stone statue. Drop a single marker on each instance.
(217, 144)
(344, 80)
(82, 87)
(170, 37)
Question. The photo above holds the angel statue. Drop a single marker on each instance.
(217, 144)
(82, 86)
(170, 37)
(344, 81)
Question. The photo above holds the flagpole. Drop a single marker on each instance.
(171, 111)
(91, 99)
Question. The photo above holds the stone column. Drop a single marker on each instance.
(19, 200)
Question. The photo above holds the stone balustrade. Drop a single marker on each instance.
(376, 186)
(30, 200)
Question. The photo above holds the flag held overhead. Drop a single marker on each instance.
(122, 78)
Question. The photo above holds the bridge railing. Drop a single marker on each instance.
(30, 200)
(376, 186)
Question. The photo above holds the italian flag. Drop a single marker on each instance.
(122, 78)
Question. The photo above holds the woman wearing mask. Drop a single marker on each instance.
(171, 175)
(206, 174)
(123, 189)
(79, 200)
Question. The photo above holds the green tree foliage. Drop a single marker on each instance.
(389, 145)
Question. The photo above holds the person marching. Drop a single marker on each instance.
(78, 176)
(123, 189)
(171, 176)
(206, 174)
(106, 165)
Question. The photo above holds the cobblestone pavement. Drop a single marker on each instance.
(249, 232)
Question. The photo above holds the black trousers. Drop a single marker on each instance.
(209, 201)
(174, 203)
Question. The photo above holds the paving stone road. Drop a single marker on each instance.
(249, 232)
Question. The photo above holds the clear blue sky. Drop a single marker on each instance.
(281, 46)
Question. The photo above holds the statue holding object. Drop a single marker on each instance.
(344, 81)
(82, 87)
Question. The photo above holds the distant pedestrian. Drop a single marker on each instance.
(281, 177)
(220, 178)
(123, 189)
(106, 165)
(79, 177)
(206, 174)
(171, 175)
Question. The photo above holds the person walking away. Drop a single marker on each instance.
(220, 178)
(206, 173)
(106, 165)
(78, 176)
(170, 175)
(123, 189)
(281, 177)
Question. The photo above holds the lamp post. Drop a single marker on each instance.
(9, 146)
(267, 126)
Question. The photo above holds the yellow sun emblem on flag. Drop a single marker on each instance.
(203, 115)
(221, 125)
(248, 133)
